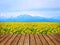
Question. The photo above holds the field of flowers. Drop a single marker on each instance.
(29, 28)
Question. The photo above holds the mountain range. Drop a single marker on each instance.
(28, 18)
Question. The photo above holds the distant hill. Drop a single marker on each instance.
(28, 18)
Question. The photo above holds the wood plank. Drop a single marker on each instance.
(11, 39)
(49, 41)
(32, 40)
(44, 42)
(1, 39)
(21, 41)
(26, 42)
(2, 35)
(56, 42)
(38, 41)
(56, 38)
(15, 41)
(57, 35)
(6, 39)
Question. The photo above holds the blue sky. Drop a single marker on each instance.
(43, 8)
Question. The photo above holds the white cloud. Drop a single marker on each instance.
(28, 4)
(9, 14)
(46, 14)
(21, 7)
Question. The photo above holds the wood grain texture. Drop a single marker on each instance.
(29, 39)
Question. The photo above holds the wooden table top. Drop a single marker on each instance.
(29, 39)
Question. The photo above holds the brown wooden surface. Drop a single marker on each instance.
(29, 39)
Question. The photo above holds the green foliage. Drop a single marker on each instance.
(29, 28)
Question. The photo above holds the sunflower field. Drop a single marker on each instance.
(29, 28)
